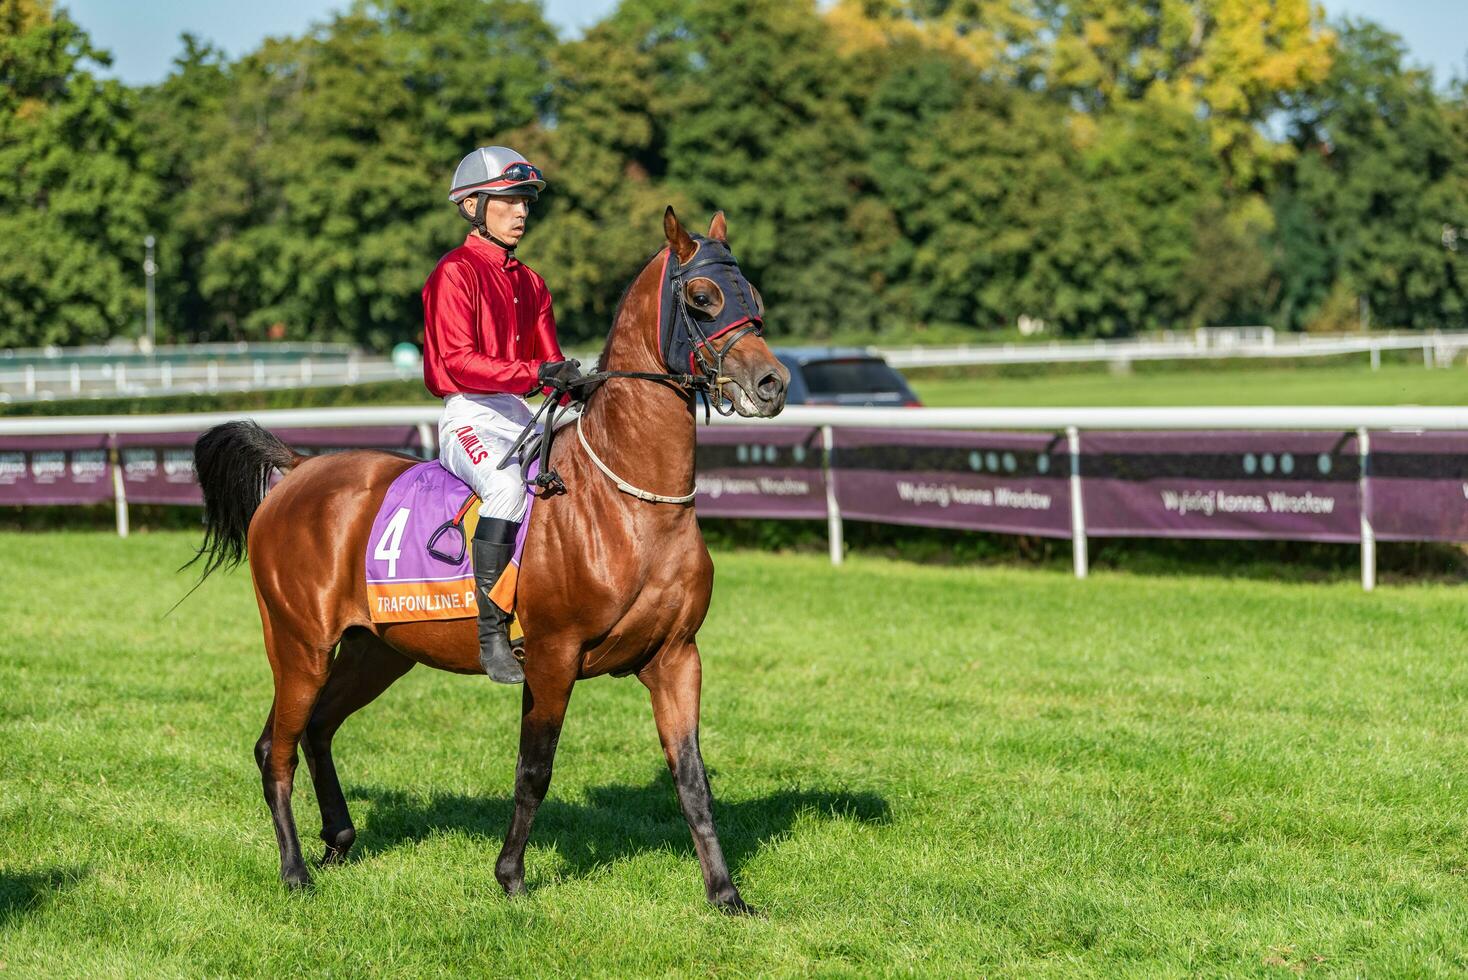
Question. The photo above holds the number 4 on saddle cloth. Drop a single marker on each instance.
(418, 558)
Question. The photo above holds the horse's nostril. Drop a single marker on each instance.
(770, 386)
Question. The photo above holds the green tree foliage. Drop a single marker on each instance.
(1382, 173)
(316, 195)
(1005, 207)
(75, 186)
(1229, 62)
(725, 104)
(886, 165)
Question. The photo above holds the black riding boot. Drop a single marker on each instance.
(494, 543)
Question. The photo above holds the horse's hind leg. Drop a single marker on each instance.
(674, 678)
(363, 669)
(300, 674)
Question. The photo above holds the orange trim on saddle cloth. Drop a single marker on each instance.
(410, 602)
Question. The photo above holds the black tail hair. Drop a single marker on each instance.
(232, 463)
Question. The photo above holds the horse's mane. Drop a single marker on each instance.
(601, 359)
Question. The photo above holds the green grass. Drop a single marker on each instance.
(1393, 384)
(918, 770)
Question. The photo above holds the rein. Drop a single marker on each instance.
(680, 331)
(548, 481)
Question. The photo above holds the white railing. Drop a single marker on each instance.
(323, 366)
(1438, 348)
(1277, 418)
(43, 382)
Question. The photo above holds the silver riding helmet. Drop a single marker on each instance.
(498, 171)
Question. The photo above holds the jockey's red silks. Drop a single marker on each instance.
(488, 325)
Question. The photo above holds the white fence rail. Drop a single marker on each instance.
(334, 366)
(1333, 418)
(41, 382)
(1438, 348)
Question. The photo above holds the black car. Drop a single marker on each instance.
(843, 376)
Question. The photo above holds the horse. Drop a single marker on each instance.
(610, 582)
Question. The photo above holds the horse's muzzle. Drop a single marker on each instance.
(761, 394)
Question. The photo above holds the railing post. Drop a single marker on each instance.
(835, 533)
(1368, 534)
(119, 489)
(427, 441)
(1077, 507)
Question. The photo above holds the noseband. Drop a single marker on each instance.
(688, 338)
(683, 340)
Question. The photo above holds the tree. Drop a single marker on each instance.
(319, 195)
(77, 187)
(1231, 62)
(176, 115)
(745, 111)
(1382, 169)
(601, 216)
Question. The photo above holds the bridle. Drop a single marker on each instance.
(679, 331)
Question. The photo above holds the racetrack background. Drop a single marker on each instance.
(916, 769)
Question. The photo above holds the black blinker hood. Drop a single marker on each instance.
(681, 332)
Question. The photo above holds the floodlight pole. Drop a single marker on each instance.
(149, 269)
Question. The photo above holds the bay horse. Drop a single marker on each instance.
(610, 583)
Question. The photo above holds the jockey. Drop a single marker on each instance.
(489, 340)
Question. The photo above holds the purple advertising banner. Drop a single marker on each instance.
(1418, 486)
(988, 481)
(54, 470)
(1268, 485)
(158, 467)
(764, 472)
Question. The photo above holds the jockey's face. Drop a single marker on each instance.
(504, 217)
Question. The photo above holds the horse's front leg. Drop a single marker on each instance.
(546, 693)
(674, 677)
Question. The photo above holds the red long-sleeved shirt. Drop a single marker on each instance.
(488, 325)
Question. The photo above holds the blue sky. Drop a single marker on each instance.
(1436, 31)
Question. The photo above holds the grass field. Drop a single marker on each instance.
(1397, 384)
(918, 770)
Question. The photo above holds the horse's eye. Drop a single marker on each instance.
(702, 299)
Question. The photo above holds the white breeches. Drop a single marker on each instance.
(473, 436)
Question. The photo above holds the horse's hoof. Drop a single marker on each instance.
(297, 882)
(512, 883)
(734, 905)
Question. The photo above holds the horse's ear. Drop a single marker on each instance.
(718, 229)
(678, 237)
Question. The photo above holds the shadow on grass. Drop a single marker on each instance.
(616, 821)
(23, 892)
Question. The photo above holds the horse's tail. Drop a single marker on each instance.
(233, 463)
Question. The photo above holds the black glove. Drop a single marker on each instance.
(559, 374)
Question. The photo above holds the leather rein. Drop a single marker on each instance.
(704, 384)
